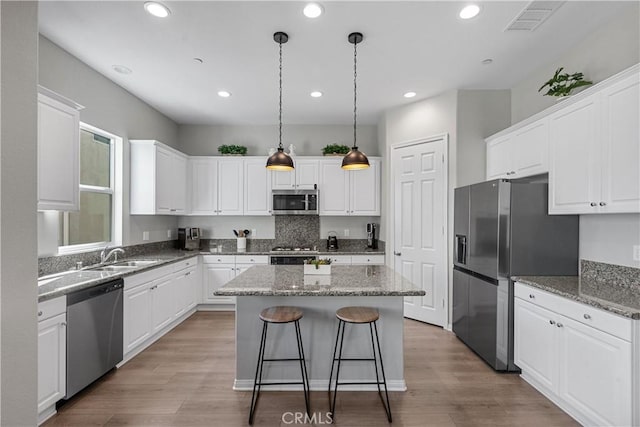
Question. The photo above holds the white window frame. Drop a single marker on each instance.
(115, 189)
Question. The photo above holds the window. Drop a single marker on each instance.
(94, 224)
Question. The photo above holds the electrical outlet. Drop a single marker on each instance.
(346, 232)
(145, 235)
(169, 234)
(636, 252)
(253, 232)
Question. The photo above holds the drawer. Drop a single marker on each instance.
(219, 259)
(141, 278)
(185, 263)
(367, 259)
(51, 308)
(597, 318)
(252, 259)
(340, 259)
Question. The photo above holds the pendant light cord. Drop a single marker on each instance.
(280, 102)
(355, 90)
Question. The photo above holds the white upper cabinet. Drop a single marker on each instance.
(595, 152)
(257, 187)
(203, 182)
(230, 187)
(344, 192)
(521, 153)
(58, 152)
(303, 177)
(158, 179)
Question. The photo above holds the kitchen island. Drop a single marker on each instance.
(319, 297)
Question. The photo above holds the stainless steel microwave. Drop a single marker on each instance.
(295, 202)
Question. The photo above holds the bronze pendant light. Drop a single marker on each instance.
(355, 159)
(280, 161)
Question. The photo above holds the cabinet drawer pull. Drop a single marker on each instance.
(552, 322)
(397, 253)
(559, 325)
(603, 204)
(532, 296)
(593, 204)
(39, 313)
(63, 324)
(189, 273)
(153, 287)
(587, 316)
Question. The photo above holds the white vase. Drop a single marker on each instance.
(242, 244)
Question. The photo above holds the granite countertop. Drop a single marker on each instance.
(319, 253)
(60, 284)
(588, 290)
(289, 280)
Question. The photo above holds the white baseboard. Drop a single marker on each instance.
(321, 385)
(46, 414)
(216, 307)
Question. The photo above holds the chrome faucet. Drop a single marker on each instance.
(104, 255)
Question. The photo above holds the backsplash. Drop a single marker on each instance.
(606, 278)
(297, 230)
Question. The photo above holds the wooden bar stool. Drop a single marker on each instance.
(358, 315)
(281, 315)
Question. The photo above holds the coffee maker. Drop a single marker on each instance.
(332, 241)
(372, 235)
(189, 238)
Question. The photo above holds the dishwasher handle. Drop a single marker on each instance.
(94, 291)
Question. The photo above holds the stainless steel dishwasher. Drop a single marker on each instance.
(94, 334)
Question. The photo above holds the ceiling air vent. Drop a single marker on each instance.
(533, 15)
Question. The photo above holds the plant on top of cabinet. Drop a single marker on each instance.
(232, 150)
(562, 84)
(335, 150)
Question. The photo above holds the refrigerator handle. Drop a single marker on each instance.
(461, 249)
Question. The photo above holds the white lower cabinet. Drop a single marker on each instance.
(217, 271)
(52, 355)
(356, 259)
(155, 301)
(576, 358)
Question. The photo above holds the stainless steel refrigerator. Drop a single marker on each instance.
(502, 229)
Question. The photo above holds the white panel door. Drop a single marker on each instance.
(284, 180)
(594, 374)
(230, 187)
(621, 147)
(164, 178)
(499, 155)
(137, 316)
(365, 190)
(52, 361)
(574, 172)
(257, 188)
(162, 303)
(535, 343)
(179, 185)
(419, 183)
(306, 174)
(203, 185)
(215, 277)
(58, 155)
(531, 150)
(334, 188)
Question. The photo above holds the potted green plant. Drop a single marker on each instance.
(317, 266)
(232, 150)
(561, 85)
(335, 150)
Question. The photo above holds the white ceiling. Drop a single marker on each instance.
(418, 46)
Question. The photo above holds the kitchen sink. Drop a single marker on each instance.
(136, 263)
(115, 268)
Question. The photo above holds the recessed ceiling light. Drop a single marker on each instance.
(487, 61)
(157, 9)
(121, 69)
(316, 94)
(469, 11)
(224, 94)
(409, 94)
(312, 10)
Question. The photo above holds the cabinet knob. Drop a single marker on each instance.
(593, 204)
(188, 274)
(532, 296)
(397, 253)
(552, 322)
(63, 324)
(559, 325)
(603, 204)
(39, 313)
(586, 316)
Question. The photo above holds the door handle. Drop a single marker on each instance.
(397, 253)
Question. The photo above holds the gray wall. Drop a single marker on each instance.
(202, 140)
(610, 238)
(18, 259)
(113, 109)
(611, 49)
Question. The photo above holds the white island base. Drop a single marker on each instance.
(318, 328)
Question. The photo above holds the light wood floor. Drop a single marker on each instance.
(185, 379)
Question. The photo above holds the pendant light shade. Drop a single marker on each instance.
(355, 159)
(280, 161)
